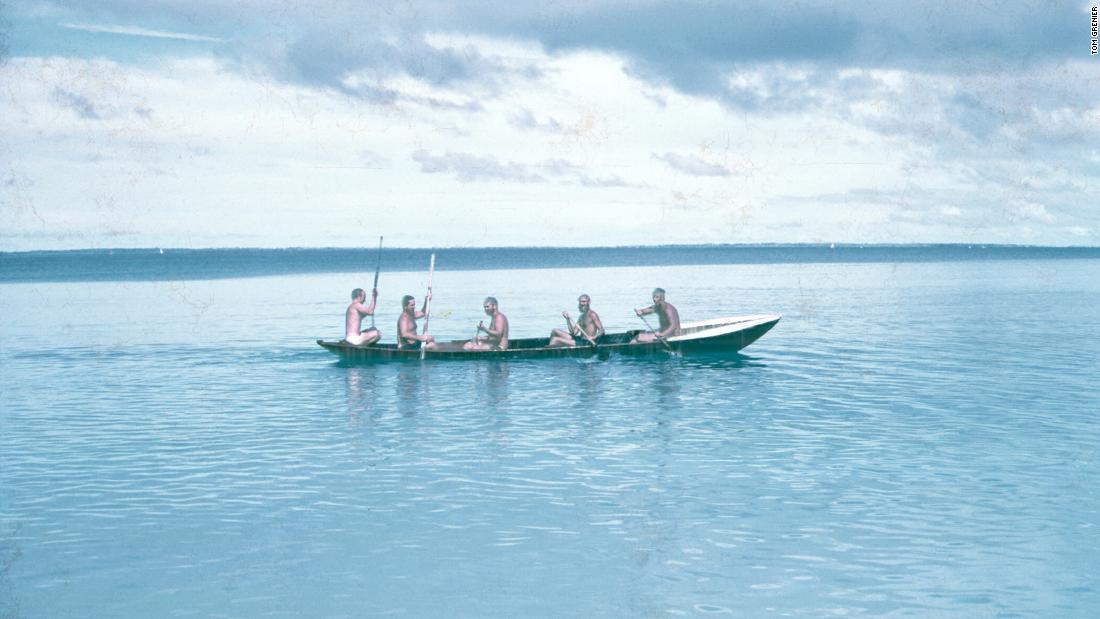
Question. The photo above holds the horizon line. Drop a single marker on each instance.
(828, 245)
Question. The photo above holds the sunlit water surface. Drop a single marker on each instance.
(912, 439)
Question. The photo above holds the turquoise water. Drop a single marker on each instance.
(915, 438)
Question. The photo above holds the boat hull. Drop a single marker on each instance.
(724, 335)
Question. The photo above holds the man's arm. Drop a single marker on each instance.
(596, 322)
(569, 326)
(645, 310)
(369, 310)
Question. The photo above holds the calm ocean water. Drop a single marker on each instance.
(917, 437)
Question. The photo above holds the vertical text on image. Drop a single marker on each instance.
(1094, 29)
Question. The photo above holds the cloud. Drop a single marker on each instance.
(690, 164)
(472, 168)
(1030, 210)
(77, 103)
(698, 48)
(371, 159)
(371, 64)
(469, 168)
(525, 119)
(604, 181)
(141, 32)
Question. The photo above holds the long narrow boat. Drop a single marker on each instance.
(707, 336)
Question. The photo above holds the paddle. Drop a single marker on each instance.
(662, 340)
(428, 306)
(377, 269)
(569, 324)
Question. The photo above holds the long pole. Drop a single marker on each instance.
(377, 269)
(428, 306)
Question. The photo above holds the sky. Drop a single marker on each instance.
(249, 123)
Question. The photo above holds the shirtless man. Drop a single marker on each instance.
(496, 334)
(587, 320)
(666, 313)
(354, 319)
(406, 325)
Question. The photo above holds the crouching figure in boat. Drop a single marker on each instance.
(354, 333)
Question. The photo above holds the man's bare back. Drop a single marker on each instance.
(353, 319)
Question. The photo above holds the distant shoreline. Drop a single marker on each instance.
(569, 247)
(555, 247)
(156, 264)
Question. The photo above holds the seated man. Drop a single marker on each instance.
(666, 313)
(496, 334)
(406, 325)
(354, 319)
(586, 331)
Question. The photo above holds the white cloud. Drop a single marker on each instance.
(1031, 210)
(141, 32)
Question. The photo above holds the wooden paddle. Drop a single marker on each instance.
(569, 323)
(428, 307)
(661, 339)
(377, 269)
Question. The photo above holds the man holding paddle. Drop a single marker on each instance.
(354, 319)
(586, 331)
(667, 315)
(496, 334)
(406, 324)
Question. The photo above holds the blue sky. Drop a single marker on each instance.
(127, 123)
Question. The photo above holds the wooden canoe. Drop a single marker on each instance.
(708, 336)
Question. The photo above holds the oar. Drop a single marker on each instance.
(569, 323)
(377, 269)
(662, 340)
(428, 308)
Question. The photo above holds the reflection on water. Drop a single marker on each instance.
(585, 382)
(361, 391)
(412, 387)
(491, 379)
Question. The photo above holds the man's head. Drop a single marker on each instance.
(583, 302)
(490, 305)
(358, 294)
(658, 296)
(408, 302)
